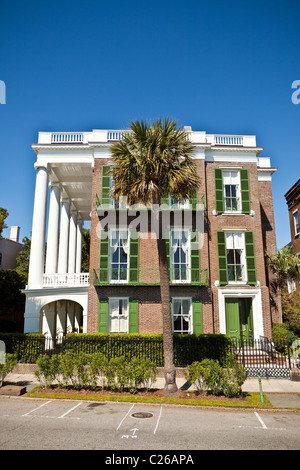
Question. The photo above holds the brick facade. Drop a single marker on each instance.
(260, 221)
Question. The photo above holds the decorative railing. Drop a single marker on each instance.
(66, 137)
(66, 280)
(115, 135)
(228, 140)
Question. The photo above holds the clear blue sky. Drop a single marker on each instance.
(219, 66)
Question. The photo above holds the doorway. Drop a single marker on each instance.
(239, 318)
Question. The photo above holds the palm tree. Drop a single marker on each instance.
(150, 163)
(285, 265)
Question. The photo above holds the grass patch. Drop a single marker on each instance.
(249, 400)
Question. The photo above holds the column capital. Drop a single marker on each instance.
(39, 165)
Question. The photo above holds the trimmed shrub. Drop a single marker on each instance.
(7, 366)
(210, 377)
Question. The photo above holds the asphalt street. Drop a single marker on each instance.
(41, 424)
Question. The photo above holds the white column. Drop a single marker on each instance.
(72, 242)
(37, 251)
(53, 229)
(79, 246)
(64, 237)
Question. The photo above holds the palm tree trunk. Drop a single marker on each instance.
(169, 366)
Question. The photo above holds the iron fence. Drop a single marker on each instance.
(269, 359)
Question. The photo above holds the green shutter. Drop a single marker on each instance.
(133, 260)
(104, 258)
(219, 190)
(194, 199)
(197, 316)
(133, 316)
(195, 257)
(222, 258)
(245, 191)
(105, 186)
(250, 258)
(103, 316)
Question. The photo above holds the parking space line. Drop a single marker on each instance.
(26, 414)
(260, 420)
(69, 411)
(159, 416)
(125, 417)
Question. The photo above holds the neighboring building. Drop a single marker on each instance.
(219, 282)
(293, 202)
(9, 249)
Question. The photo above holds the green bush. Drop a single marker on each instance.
(83, 370)
(7, 366)
(48, 369)
(210, 377)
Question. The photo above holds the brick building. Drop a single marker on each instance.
(293, 202)
(218, 278)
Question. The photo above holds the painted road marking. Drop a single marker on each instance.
(125, 417)
(67, 412)
(26, 414)
(159, 416)
(263, 425)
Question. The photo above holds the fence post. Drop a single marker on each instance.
(289, 353)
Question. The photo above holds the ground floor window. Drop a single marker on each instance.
(118, 315)
(182, 315)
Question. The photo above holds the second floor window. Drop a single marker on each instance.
(118, 251)
(180, 255)
(235, 248)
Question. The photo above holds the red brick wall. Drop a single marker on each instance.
(150, 318)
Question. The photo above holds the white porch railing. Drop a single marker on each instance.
(66, 137)
(228, 140)
(66, 280)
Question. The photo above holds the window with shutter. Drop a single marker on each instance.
(105, 186)
(103, 316)
(222, 258)
(245, 191)
(250, 258)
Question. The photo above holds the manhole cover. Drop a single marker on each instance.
(142, 415)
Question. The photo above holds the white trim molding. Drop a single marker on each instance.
(255, 294)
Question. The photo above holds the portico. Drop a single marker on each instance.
(56, 294)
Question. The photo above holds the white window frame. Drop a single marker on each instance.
(190, 315)
(188, 257)
(118, 281)
(126, 315)
(232, 180)
(242, 256)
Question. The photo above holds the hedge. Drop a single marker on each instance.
(26, 346)
(187, 348)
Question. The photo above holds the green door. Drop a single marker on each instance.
(239, 318)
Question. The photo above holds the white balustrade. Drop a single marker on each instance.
(228, 140)
(66, 280)
(66, 137)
